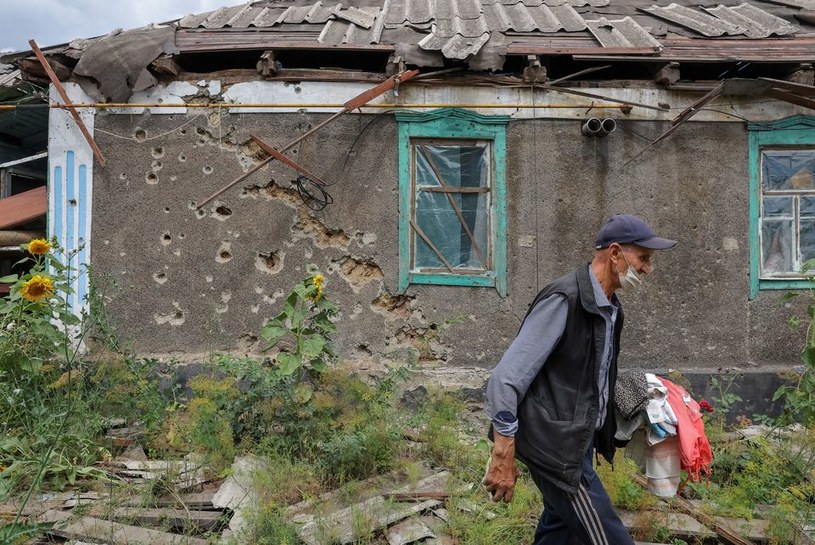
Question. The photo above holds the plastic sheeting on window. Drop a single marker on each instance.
(787, 211)
(784, 170)
(451, 166)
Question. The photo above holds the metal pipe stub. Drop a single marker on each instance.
(594, 126)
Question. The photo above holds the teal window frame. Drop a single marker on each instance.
(793, 132)
(456, 125)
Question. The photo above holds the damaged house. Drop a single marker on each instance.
(226, 152)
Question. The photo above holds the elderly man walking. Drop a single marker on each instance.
(550, 399)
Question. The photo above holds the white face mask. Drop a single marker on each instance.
(630, 280)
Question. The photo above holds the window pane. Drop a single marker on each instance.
(777, 207)
(458, 166)
(787, 170)
(424, 173)
(777, 250)
(454, 165)
(807, 207)
(807, 238)
(439, 222)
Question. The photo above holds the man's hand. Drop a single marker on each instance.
(502, 472)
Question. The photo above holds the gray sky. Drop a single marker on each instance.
(53, 22)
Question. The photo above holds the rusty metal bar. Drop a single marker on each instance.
(432, 246)
(694, 108)
(352, 104)
(686, 114)
(283, 159)
(549, 87)
(455, 206)
(61, 90)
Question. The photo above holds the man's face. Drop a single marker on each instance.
(637, 257)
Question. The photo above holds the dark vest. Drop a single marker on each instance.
(557, 418)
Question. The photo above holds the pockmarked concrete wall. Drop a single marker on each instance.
(193, 282)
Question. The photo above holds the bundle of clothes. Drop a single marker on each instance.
(663, 416)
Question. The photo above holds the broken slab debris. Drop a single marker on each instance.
(237, 491)
(375, 513)
(112, 533)
(408, 531)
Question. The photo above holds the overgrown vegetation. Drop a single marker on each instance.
(319, 425)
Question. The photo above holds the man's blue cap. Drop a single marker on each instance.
(628, 229)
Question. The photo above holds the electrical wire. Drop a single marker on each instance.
(314, 194)
(125, 137)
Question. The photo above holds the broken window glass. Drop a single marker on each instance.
(787, 211)
(451, 213)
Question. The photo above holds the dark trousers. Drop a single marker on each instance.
(584, 518)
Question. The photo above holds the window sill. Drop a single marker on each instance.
(785, 284)
(452, 279)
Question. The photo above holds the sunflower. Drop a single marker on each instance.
(37, 287)
(39, 246)
(317, 281)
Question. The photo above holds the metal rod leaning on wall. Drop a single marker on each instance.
(61, 90)
(677, 122)
(356, 102)
(283, 159)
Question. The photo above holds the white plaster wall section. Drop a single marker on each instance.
(332, 94)
(70, 188)
(213, 88)
(301, 96)
(174, 93)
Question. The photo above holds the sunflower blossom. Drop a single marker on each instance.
(318, 283)
(39, 246)
(37, 287)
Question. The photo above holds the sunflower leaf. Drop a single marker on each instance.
(288, 363)
(312, 345)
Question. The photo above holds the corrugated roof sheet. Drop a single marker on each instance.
(9, 77)
(756, 22)
(341, 31)
(414, 12)
(702, 23)
(266, 17)
(625, 32)
(550, 3)
(316, 13)
(461, 29)
(361, 17)
(522, 18)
